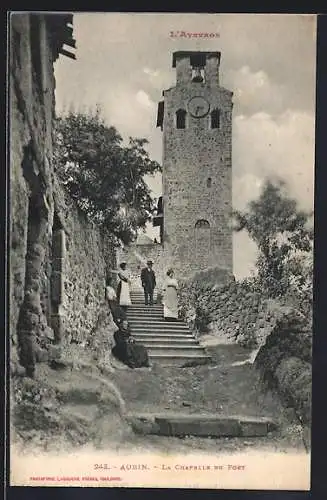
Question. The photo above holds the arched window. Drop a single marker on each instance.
(201, 223)
(202, 239)
(215, 118)
(198, 75)
(209, 182)
(180, 118)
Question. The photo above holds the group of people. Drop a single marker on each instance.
(126, 350)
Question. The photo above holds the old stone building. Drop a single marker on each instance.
(196, 119)
(58, 260)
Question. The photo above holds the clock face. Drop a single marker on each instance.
(198, 107)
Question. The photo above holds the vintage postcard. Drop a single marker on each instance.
(161, 249)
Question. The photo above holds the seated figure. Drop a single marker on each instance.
(126, 350)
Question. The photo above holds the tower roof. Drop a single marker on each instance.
(197, 58)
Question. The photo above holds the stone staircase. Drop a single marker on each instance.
(169, 343)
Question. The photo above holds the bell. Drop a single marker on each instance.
(197, 77)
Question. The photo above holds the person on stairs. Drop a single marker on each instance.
(148, 279)
(117, 312)
(170, 300)
(126, 350)
(123, 289)
(111, 295)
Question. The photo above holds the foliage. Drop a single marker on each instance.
(202, 319)
(104, 177)
(283, 237)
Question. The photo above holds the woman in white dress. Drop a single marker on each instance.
(170, 297)
(123, 289)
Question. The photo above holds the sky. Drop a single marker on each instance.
(124, 62)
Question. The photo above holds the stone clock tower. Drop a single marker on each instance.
(196, 119)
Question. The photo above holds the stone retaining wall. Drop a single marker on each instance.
(280, 333)
(31, 79)
(58, 261)
(89, 256)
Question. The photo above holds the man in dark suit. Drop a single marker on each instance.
(148, 279)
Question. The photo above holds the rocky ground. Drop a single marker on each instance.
(230, 385)
(278, 330)
(78, 404)
(85, 397)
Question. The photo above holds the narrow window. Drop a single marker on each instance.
(209, 182)
(198, 75)
(215, 118)
(180, 118)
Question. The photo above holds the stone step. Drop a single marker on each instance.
(164, 337)
(180, 360)
(148, 310)
(180, 349)
(145, 319)
(145, 315)
(142, 307)
(155, 319)
(139, 305)
(155, 342)
(180, 425)
(153, 326)
(158, 333)
(140, 300)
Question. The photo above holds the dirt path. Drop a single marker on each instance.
(229, 386)
(80, 406)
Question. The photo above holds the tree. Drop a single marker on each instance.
(104, 177)
(283, 236)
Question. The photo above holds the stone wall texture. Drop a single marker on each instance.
(31, 210)
(58, 260)
(278, 331)
(89, 256)
(197, 176)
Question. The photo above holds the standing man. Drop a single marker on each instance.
(148, 279)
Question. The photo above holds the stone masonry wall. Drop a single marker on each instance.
(191, 156)
(58, 261)
(89, 256)
(31, 211)
(279, 331)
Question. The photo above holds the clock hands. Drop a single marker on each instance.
(198, 106)
(197, 109)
